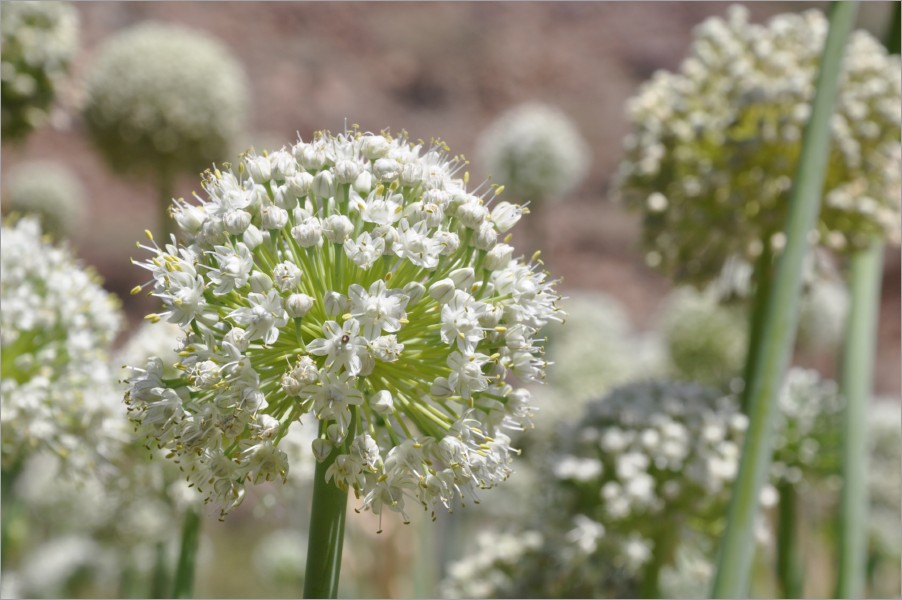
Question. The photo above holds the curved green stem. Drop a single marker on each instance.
(763, 277)
(781, 318)
(790, 565)
(327, 528)
(184, 572)
(855, 386)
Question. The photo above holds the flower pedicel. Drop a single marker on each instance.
(353, 277)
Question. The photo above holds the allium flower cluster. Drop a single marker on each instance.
(807, 435)
(57, 325)
(716, 144)
(39, 40)
(648, 451)
(48, 190)
(353, 277)
(706, 341)
(884, 474)
(494, 568)
(163, 100)
(536, 152)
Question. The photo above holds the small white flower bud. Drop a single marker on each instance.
(411, 173)
(472, 214)
(309, 156)
(386, 169)
(235, 222)
(505, 215)
(463, 278)
(498, 257)
(323, 184)
(260, 282)
(337, 228)
(236, 337)
(322, 448)
(346, 171)
(441, 388)
(287, 276)
(414, 291)
(381, 402)
(364, 182)
(486, 237)
(299, 184)
(386, 348)
(190, 217)
(259, 168)
(290, 385)
(298, 305)
(442, 290)
(336, 433)
(282, 165)
(448, 240)
(336, 304)
(374, 146)
(308, 233)
(273, 217)
(252, 237)
(389, 234)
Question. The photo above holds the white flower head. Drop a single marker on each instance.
(320, 306)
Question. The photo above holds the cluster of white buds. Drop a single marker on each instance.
(884, 485)
(536, 152)
(706, 341)
(353, 277)
(39, 40)
(163, 100)
(807, 435)
(57, 325)
(652, 450)
(715, 145)
(494, 568)
(48, 190)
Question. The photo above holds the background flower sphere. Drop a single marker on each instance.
(39, 41)
(163, 100)
(48, 190)
(353, 277)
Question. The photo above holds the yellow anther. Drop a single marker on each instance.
(466, 177)
(136, 290)
(501, 329)
(495, 356)
(148, 234)
(507, 238)
(153, 318)
(536, 255)
(346, 316)
(498, 190)
(403, 321)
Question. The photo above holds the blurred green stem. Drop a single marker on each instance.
(9, 508)
(327, 527)
(763, 278)
(790, 565)
(184, 572)
(165, 201)
(865, 271)
(780, 319)
(158, 581)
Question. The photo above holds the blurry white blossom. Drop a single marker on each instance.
(406, 357)
(48, 190)
(535, 152)
(163, 100)
(715, 145)
(39, 40)
(57, 326)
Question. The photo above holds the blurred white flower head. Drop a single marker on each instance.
(48, 190)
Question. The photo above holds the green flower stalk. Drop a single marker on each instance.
(163, 101)
(39, 41)
(48, 190)
(355, 279)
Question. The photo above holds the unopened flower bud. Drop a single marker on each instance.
(298, 305)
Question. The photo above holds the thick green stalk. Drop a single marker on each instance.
(9, 509)
(781, 318)
(790, 564)
(159, 577)
(327, 529)
(184, 571)
(857, 370)
(763, 277)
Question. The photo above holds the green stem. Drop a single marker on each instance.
(790, 566)
(855, 385)
(327, 527)
(781, 318)
(9, 509)
(184, 572)
(158, 580)
(763, 278)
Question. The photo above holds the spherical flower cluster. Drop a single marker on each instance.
(706, 341)
(48, 190)
(39, 40)
(823, 313)
(885, 493)
(57, 326)
(715, 145)
(652, 450)
(807, 435)
(355, 278)
(536, 152)
(494, 568)
(163, 100)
